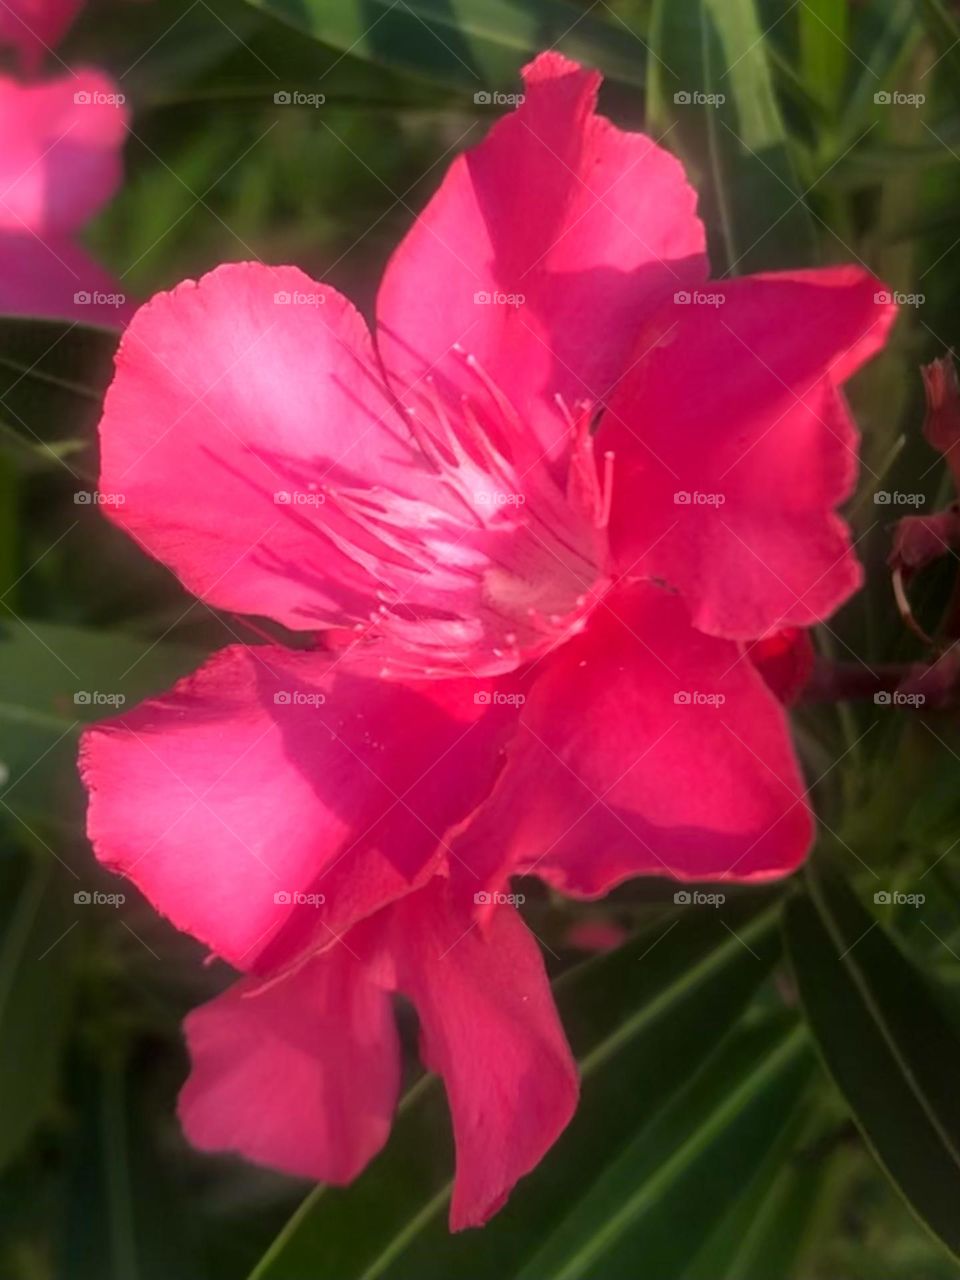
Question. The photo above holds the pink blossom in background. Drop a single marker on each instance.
(539, 521)
(60, 163)
(34, 27)
(596, 935)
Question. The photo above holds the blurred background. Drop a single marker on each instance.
(796, 1119)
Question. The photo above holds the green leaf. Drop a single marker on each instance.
(53, 679)
(36, 987)
(944, 32)
(871, 165)
(733, 135)
(656, 1202)
(641, 1020)
(823, 48)
(53, 374)
(768, 1228)
(126, 1218)
(883, 38)
(473, 45)
(887, 1043)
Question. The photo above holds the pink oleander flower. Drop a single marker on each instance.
(539, 523)
(60, 144)
(33, 27)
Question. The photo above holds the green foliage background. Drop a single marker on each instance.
(770, 1089)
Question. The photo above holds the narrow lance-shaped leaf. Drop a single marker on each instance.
(887, 1043)
(36, 958)
(824, 48)
(772, 1222)
(944, 31)
(711, 97)
(125, 1216)
(881, 40)
(473, 45)
(663, 1194)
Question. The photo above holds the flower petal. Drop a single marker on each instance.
(733, 448)
(248, 441)
(269, 774)
(590, 226)
(52, 276)
(644, 748)
(301, 1075)
(243, 408)
(490, 1029)
(60, 158)
(33, 27)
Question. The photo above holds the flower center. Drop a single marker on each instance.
(511, 557)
